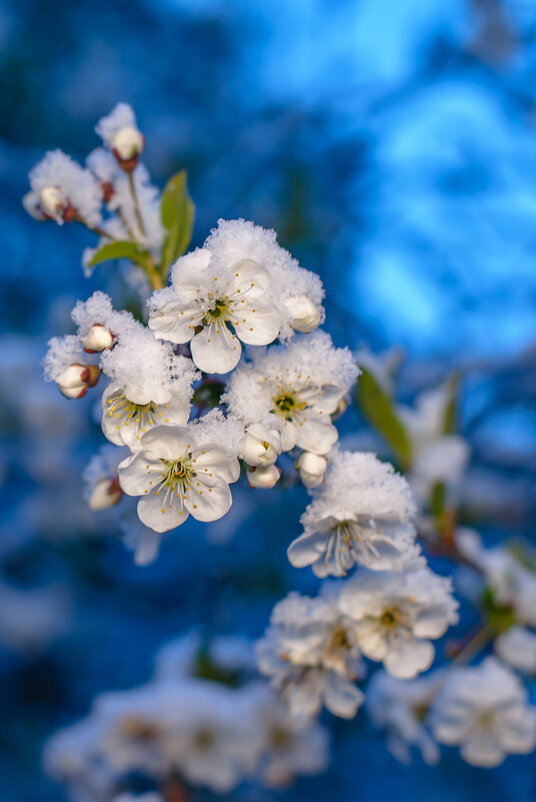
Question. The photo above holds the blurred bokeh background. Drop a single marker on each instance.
(392, 145)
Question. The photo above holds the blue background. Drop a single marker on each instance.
(393, 147)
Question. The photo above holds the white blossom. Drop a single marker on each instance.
(517, 647)
(297, 387)
(310, 652)
(101, 480)
(260, 445)
(206, 299)
(396, 616)
(305, 315)
(400, 707)
(151, 386)
(484, 711)
(176, 475)
(361, 514)
(66, 191)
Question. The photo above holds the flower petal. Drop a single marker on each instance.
(138, 475)
(316, 433)
(166, 441)
(216, 349)
(160, 516)
(208, 502)
(256, 322)
(175, 321)
(214, 459)
(407, 657)
(249, 279)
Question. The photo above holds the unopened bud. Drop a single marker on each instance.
(341, 408)
(31, 203)
(312, 468)
(75, 380)
(127, 145)
(98, 339)
(260, 446)
(105, 494)
(306, 315)
(55, 206)
(264, 477)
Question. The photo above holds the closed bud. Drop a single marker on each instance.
(55, 206)
(312, 468)
(264, 477)
(127, 145)
(105, 494)
(32, 205)
(98, 339)
(260, 445)
(306, 315)
(75, 380)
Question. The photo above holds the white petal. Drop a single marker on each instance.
(256, 322)
(316, 434)
(289, 433)
(214, 459)
(138, 475)
(175, 321)
(342, 698)
(167, 441)
(216, 349)
(249, 279)
(208, 502)
(517, 730)
(372, 640)
(431, 622)
(482, 749)
(307, 548)
(159, 516)
(406, 657)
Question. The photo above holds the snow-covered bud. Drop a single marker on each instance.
(98, 339)
(105, 494)
(265, 477)
(306, 315)
(312, 468)
(31, 203)
(261, 445)
(55, 206)
(127, 145)
(75, 380)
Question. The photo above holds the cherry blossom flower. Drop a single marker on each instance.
(484, 711)
(397, 615)
(177, 476)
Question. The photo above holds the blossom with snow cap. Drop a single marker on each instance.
(178, 475)
(360, 515)
(484, 710)
(311, 653)
(400, 708)
(121, 135)
(150, 386)
(63, 191)
(215, 306)
(396, 616)
(299, 386)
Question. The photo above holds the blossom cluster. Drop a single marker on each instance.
(224, 370)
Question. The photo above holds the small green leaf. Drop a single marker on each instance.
(377, 407)
(123, 249)
(177, 217)
(450, 422)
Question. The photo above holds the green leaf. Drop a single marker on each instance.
(450, 422)
(123, 249)
(177, 217)
(378, 409)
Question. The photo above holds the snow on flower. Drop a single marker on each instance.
(208, 297)
(295, 389)
(150, 385)
(395, 616)
(484, 711)
(360, 515)
(178, 474)
(64, 191)
(400, 707)
(517, 647)
(310, 652)
(119, 132)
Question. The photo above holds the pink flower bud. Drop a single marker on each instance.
(98, 339)
(75, 380)
(264, 477)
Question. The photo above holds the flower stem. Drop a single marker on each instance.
(96, 229)
(474, 645)
(155, 279)
(136, 203)
(125, 224)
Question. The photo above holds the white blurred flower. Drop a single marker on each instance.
(311, 653)
(484, 711)
(395, 616)
(400, 707)
(120, 133)
(215, 307)
(361, 514)
(517, 647)
(176, 475)
(64, 191)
